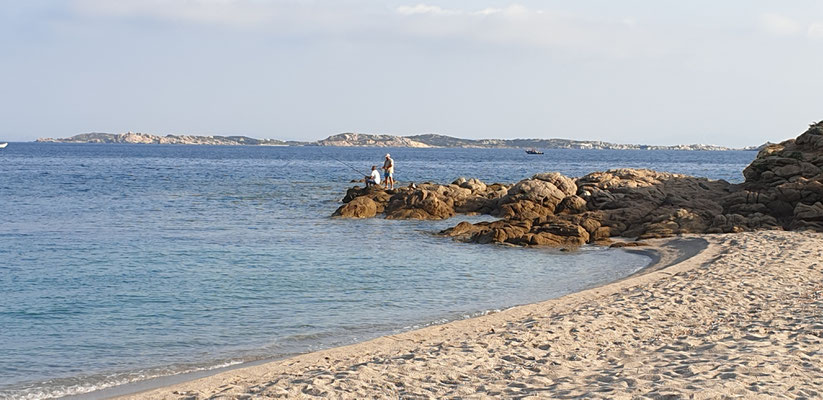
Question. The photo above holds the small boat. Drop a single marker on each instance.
(533, 151)
(3, 145)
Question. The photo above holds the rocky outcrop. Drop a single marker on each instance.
(783, 190)
(551, 209)
(426, 201)
(647, 204)
(784, 185)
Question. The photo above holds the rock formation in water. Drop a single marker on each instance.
(426, 201)
(783, 190)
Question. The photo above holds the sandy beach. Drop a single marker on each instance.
(743, 318)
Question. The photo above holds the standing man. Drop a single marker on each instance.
(388, 172)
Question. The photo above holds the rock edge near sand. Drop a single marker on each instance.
(783, 190)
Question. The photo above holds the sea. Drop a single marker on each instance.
(122, 263)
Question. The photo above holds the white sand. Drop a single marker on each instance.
(742, 319)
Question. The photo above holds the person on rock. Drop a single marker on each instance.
(374, 178)
(388, 172)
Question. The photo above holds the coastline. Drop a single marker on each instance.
(668, 257)
(660, 256)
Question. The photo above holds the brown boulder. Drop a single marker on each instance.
(572, 205)
(420, 204)
(523, 209)
(560, 233)
(558, 180)
(359, 207)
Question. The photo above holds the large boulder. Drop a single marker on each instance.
(559, 233)
(535, 197)
(558, 180)
(572, 205)
(360, 207)
(420, 204)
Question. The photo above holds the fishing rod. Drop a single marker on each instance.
(353, 168)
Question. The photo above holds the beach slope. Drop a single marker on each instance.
(744, 317)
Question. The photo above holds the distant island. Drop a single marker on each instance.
(433, 140)
(145, 138)
(371, 140)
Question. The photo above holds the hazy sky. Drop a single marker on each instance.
(657, 71)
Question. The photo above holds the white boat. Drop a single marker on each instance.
(3, 145)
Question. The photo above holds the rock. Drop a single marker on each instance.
(462, 230)
(681, 221)
(620, 245)
(432, 201)
(538, 191)
(572, 205)
(783, 184)
(522, 210)
(533, 198)
(420, 204)
(560, 233)
(474, 185)
(809, 212)
(357, 191)
(563, 183)
(602, 233)
(360, 207)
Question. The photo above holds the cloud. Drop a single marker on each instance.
(512, 25)
(780, 25)
(238, 13)
(425, 9)
(815, 30)
(522, 26)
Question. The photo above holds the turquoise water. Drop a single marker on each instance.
(125, 262)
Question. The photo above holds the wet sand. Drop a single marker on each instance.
(742, 318)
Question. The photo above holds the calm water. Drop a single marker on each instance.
(124, 262)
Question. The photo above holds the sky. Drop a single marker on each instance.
(732, 73)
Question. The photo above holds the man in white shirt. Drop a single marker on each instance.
(374, 178)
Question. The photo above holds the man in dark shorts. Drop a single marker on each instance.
(388, 172)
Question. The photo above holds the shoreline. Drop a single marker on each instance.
(663, 253)
(740, 319)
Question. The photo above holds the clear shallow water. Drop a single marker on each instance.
(122, 262)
